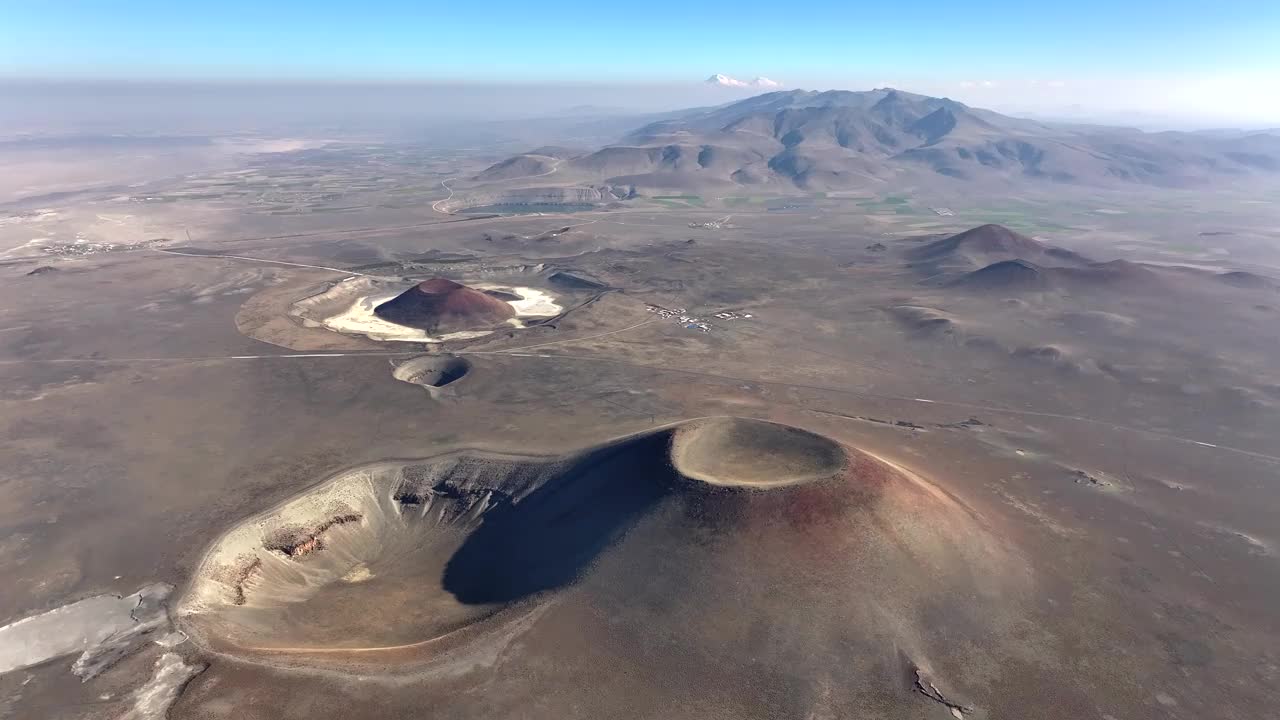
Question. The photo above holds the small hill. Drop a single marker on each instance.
(1025, 276)
(1097, 321)
(442, 305)
(1115, 275)
(1057, 357)
(559, 152)
(1006, 275)
(985, 239)
(987, 243)
(1247, 280)
(571, 281)
(925, 320)
(520, 166)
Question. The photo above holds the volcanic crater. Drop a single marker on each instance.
(430, 311)
(393, 565)
(442, 305)
(432, 372)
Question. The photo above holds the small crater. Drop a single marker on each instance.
(432, 371)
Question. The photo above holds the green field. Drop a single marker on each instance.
(672, 204)
(687, 200)
(890, 203)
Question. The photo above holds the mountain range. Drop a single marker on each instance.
(842, 139)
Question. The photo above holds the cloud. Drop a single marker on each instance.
(726, 81)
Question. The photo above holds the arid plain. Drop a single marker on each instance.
(801, 454)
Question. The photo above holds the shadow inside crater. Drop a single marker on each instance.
(546, 540)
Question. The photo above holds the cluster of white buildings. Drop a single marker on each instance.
(943, 211)
(663, 312)
(689, 321)
(82, 246)
(711, 224)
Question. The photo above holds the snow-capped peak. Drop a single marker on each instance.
(725, 81)
(729, 82)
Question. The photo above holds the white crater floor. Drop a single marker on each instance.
(532, 303)
(359, 318)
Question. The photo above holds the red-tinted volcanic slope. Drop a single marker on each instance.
(441, 305)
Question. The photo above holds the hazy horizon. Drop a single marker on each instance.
(1158, 65)
(42, 105)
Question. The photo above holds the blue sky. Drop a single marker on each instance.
(657, 40)
(929, 45)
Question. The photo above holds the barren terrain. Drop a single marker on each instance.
(798, 453)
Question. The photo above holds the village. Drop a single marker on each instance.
(690, 322)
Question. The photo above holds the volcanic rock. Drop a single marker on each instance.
(442, 305)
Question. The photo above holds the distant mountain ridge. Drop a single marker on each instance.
(837, 139)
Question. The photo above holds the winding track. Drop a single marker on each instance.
(435, 206)
(262, 260)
